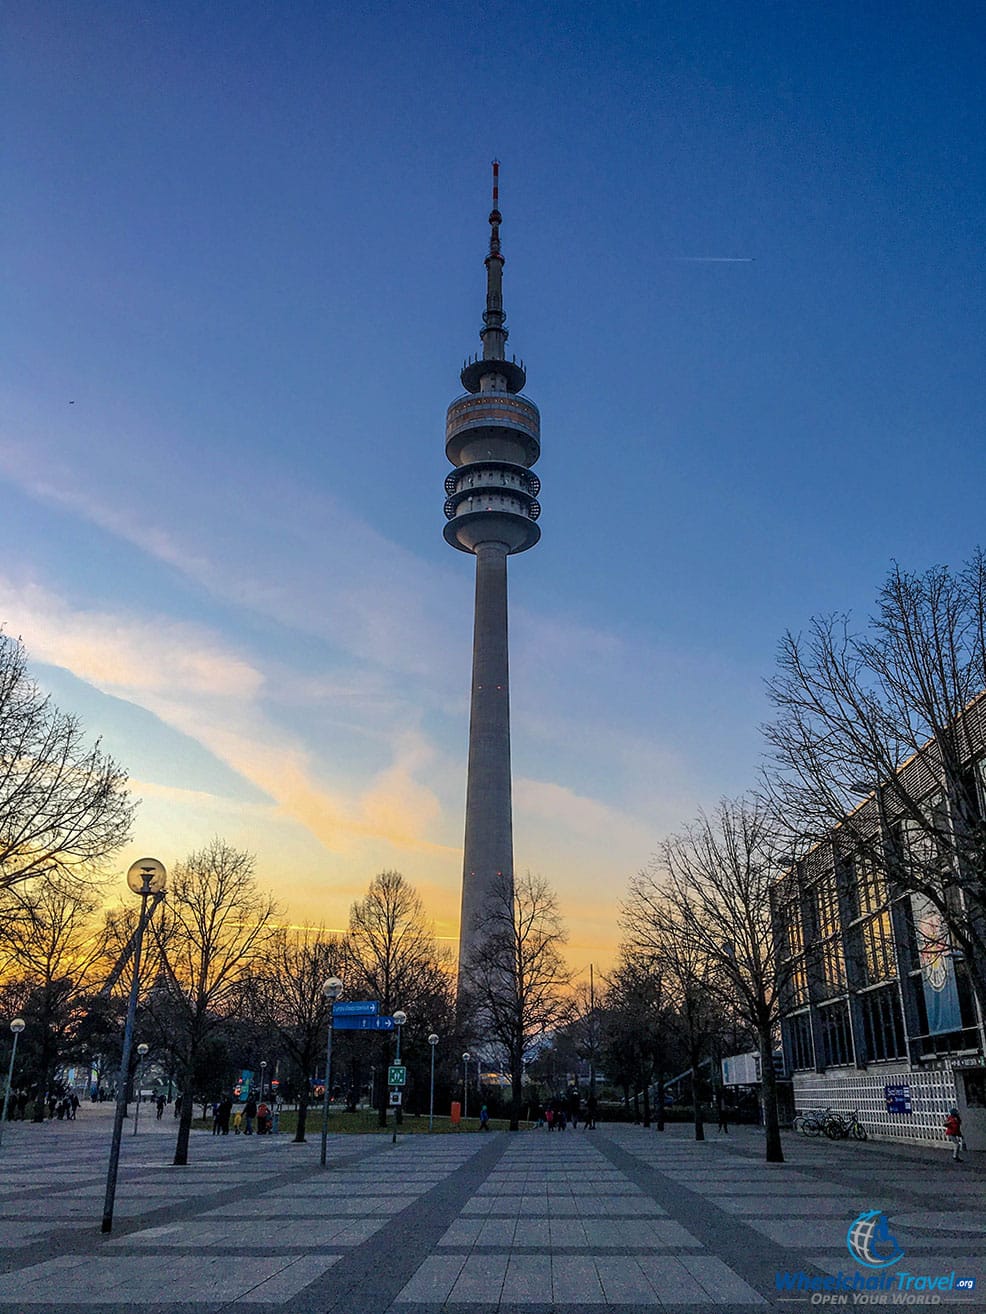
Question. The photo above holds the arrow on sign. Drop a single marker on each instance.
(363, 1024)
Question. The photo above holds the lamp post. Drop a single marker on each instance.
(400, 1017)
(331, 990)
(17, 1026)
(263, 1078)
(465, 1085)
(432, 1042)
(146, 877)
(142, 1051)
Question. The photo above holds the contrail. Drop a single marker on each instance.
(717, 260)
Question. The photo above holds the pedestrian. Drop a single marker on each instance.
(721, 1110)
(74, 1103)
(238, 1122)
(590, 1119)
(177, 1106)
(225, 1109)
(161, 1102)
(484, 1119)
(215, 1117)
(953, 1130)
(549, 1115)
(249, 1113)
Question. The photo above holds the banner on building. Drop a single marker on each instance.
(941, 995)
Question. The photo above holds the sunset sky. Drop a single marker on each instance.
(242, 249)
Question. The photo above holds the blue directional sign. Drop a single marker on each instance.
(356, 1008)
(363, 1024)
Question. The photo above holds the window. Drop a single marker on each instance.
(832, 969)
(836, 1034)
(883, 1024)
(868, 888)
(879, 963)
(826, 905)
(802, 1051)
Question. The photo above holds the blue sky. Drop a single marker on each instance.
(243, 254)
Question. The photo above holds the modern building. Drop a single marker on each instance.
(492, 438)
(878, 1013)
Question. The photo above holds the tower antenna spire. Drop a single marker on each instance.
(494, 331)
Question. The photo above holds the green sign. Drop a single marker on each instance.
(397, 1075)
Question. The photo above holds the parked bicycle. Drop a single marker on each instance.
(841, 1127)
(812, 1123)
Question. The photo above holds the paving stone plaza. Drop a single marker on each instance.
(618, 1218)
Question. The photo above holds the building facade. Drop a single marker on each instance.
(878, 1013)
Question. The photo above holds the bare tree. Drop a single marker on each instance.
(585, 1027)
(64, 805)
(712, 887)
(637, 1026)
(286, 994)
(895, 713)
(517, 982)
(393, 957)
(50, 946)
(689, 982)
(214, 927)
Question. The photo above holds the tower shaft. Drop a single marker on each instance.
(488, 857)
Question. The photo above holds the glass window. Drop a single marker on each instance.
(832, 975)
(826, 905)
(795, 992)
(879, 963)
(836, 1034)
(868, 890)
(883, 1024)
(801, 1049)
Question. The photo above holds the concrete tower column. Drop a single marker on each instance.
(488, 855)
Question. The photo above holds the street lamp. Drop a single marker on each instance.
(17, 1026)
(142, 1051)
(263, 1077)
(146, 877)
(432, 1042)
(465, 1084)
(400, 1017)
(331, 990)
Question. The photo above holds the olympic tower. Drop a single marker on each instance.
(492, 437)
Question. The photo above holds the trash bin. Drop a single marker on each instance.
(456, 1113)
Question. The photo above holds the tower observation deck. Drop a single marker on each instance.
(492, 438)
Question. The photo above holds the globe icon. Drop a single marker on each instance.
(869, 1240)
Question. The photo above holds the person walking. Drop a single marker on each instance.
(484, 1119)
(161, 1102)
(590, 1113)
(225, 1109)
(721, 1110)
(249, 1113)
(953, 1130)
